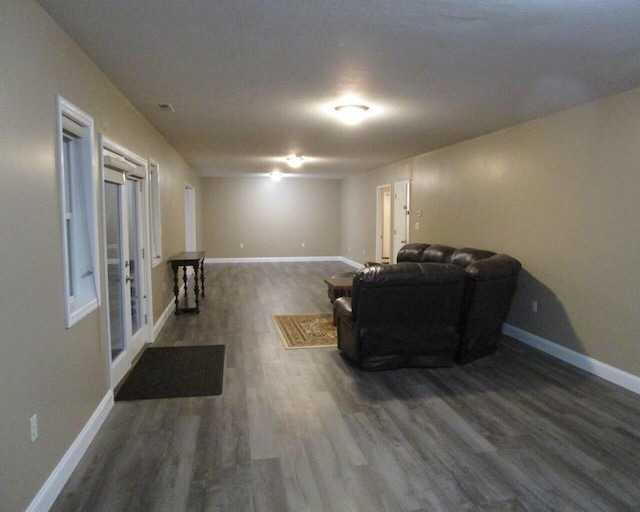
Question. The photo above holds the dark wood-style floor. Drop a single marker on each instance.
(303, 430)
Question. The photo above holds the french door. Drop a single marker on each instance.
(124, 230)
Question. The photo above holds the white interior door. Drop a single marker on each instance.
(383, 223)
(400, 216)
(190, 217)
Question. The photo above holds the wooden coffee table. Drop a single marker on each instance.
(339, 286)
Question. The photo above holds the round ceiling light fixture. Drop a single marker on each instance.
(276, 175)
(351, 114)
(295, 161)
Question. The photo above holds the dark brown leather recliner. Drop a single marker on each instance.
(490, 284)
(402, 315)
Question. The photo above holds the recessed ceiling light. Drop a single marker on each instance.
(351, 114)
(276, 175)
(294, 161)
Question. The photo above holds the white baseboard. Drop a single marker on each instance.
(586, 363)
(58, 478)
(351, 263)
(171, 307)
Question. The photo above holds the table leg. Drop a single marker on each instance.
(202, 276)
(186, 289)
(195, 286)
(175, 286)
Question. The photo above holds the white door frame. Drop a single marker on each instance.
(400, 217)
(133, 344)
(379, 219)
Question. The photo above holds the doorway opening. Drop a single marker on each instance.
(401, 196)
(189, 217)
(383, 223)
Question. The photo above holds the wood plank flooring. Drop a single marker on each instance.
(302, 430)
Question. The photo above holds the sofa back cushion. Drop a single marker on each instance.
(405, 278)
(437, 254)
(465, 256)
(407, 314)
(411, 252)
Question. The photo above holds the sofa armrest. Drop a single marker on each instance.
(499, 266)
(343, 307)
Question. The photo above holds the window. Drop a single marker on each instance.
(154, 206)
(76, 173)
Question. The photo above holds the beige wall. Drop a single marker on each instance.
(270, 219)
(45, 369)
(359, 200)
(561, 194)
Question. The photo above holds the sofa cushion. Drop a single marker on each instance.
(496, 267)
(411, 252)
(465, 256)
(400, 275)
(437, 254)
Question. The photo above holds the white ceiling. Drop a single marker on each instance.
(252, 81)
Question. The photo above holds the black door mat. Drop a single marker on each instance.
(173, 372)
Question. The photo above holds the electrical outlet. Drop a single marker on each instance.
(164, 287)
(33, 424)
(241, 246)
(534, 306)
(417, 226)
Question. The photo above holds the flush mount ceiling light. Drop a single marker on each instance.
(294, 161)
(276, 175)
(352, 113)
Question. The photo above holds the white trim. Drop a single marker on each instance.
(284, 259)
(586, 363)
(350, 262)
(166, 314)
(67, 113)
(155, 221)
(119, 150)
(58, 478)
(134, 344)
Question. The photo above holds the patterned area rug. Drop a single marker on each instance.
(306, 331)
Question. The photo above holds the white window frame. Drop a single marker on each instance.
(78, 209)
(154, 213)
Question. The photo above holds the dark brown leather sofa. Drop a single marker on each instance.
(489, 284)
(402, 315)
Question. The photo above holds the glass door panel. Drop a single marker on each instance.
(113, 235)
(135, 276)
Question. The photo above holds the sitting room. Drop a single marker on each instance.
(389, 250)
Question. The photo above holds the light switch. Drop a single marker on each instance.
(417, 226)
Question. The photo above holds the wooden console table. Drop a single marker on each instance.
(339, 286)
(184, 260)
